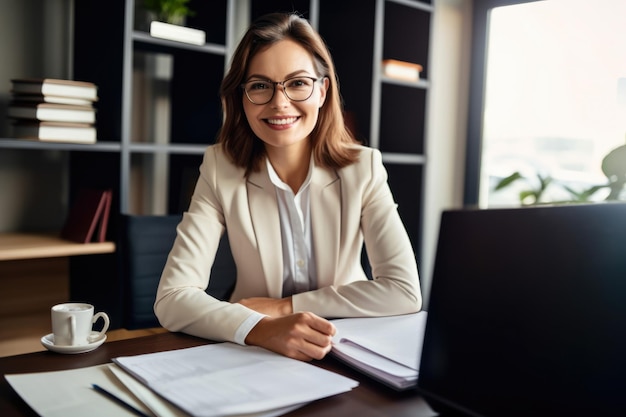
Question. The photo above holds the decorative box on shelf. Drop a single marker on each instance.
(177, 33)
(401, 70)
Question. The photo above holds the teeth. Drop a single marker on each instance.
(286, 121)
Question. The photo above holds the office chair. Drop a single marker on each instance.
(145, 244)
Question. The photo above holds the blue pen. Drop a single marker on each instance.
(118, 400)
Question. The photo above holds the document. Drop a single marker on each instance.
(221, 379)
(70, 393)
(226, 379)
(385, 348)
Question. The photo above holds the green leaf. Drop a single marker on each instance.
(585, 195)
(505, 182)
(544, 182)
(171, 11)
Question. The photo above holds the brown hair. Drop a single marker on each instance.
(332, 142)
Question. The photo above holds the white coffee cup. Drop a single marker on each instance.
(72, 324)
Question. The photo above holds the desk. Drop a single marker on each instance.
(369, 399)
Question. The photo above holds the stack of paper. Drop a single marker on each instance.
(213, 380)
(386, 348)
(227, 379)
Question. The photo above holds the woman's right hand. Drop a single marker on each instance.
(303, 336)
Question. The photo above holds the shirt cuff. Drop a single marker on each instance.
(247, 325)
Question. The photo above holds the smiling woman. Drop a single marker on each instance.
(298, 198)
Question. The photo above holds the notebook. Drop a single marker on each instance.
(527, 313)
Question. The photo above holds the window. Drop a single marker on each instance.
(554, 98)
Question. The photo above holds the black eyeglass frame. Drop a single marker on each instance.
(282, 83)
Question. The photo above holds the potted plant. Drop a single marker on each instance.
(168, 20)
(613, 166)
(169, 11)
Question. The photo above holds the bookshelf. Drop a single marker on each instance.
(158, 110)
(399, 108)
(159, 99)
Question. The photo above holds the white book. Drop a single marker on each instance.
(177, 33)
(55, 132)
(40, 98)
(55, 87)
(48, 112)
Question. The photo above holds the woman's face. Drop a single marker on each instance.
(282, 122)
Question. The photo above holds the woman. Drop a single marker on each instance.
(297, 196)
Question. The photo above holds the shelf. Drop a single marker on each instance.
(403, 158)
(15, 246)
(210, 48)
(416, 84)
(415, 4)
(169, 148)
(60, 146)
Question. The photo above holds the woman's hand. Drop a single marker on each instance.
(274, 307)
(302, 336)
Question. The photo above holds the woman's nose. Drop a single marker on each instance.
(280, 98)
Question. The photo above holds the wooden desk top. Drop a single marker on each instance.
(369, 399)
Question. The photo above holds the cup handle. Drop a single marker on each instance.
(100, 335)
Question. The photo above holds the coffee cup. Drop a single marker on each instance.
(72, 324)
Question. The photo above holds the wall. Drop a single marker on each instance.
(446, 121)
(34, 42)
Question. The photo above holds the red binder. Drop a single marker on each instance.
(90, 211)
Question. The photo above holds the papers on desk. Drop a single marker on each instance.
(227, 379)
(221, 379)
(69, 393)
(385, 348)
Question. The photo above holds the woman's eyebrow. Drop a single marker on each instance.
(288, 76)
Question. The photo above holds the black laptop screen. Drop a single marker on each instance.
(527, 312)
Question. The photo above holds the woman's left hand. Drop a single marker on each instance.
(273, 307)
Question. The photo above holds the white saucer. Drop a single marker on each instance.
(48, 342)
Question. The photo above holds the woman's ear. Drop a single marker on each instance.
(323, 90)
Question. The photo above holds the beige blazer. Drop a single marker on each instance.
(348, 206)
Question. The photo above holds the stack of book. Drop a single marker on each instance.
(53, 110)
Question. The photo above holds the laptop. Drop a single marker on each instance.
(527, 313)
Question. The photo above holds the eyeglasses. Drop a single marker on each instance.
(296, 89)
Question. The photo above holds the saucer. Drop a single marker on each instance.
(48, 342)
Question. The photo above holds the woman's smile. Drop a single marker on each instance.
(282, 122)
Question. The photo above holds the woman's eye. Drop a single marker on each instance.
(259, 86)
(299, 82)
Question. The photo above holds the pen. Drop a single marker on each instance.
(118, 400)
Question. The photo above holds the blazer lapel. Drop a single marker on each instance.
(265, 220)
(325, 223)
